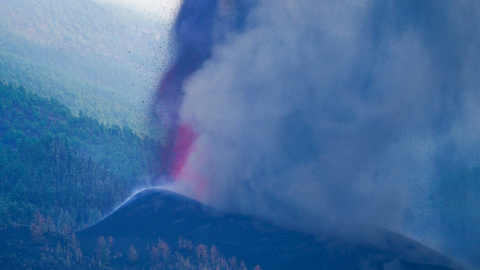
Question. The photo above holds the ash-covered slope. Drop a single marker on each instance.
(158, 213)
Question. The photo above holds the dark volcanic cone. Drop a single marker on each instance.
(157, 213)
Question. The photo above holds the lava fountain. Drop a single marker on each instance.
(198, 26)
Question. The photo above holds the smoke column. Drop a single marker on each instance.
(199, 25)
(315, 112)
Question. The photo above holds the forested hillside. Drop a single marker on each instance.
(98, 60)
(71, 169)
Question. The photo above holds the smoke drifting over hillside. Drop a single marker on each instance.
(317, 112)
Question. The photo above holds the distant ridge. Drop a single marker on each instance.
(101, 61)
(159, 213)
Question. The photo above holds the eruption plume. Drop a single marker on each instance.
(199, 25)
(316, 112)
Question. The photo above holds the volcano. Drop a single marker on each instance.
(158, 213)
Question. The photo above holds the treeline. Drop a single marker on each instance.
(72, 169)
(106, 252)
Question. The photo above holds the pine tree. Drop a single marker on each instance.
(202, 255)
(155, 254)
(102, 252)
(233, 262)
(38, 227)
(214, 256)
(132, 255)
(164, 249)
(257, 267)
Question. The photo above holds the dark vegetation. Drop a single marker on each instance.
(71, 169)
(100, 61)
(159, 229)
(21, 248)
(206, 232)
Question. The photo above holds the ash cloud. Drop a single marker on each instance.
(337, 112)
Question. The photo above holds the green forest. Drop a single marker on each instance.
(71, 169)
(60, 173)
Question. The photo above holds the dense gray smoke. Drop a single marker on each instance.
(343, 111)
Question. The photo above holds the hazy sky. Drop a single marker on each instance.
(161, 9)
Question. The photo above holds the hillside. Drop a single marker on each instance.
(72, 169)
(102, 61)
(159, 229)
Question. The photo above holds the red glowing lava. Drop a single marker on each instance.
(181, 150)
(177, 159)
